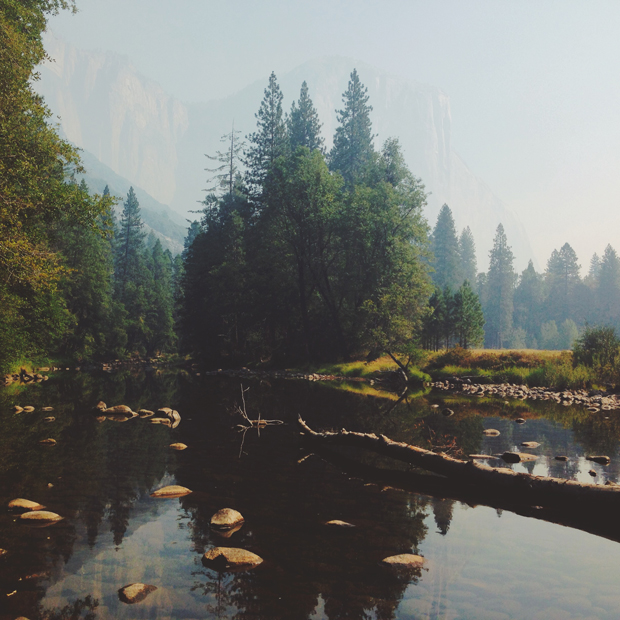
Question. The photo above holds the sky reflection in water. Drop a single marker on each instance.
(481, 563)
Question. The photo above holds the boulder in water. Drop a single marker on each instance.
(226, 518)
(178, 446)
(24, 504)
(601, 460)
(164, 421)
(491, 432)
(135, 592)
(145, 413)
(339, 523)
(28, 409)
(530, 444)
(18, 409)
(171, 491)
(230, 559)
(47, 409)
(41, 517)
(48, 442)
(49, 419)
(101, 406)
(518, 457)
(119, 409)
(404, 560)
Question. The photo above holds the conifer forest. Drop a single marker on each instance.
(299, 254)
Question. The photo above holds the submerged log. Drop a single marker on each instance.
(522, 488)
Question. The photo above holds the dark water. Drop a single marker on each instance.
(481, 562)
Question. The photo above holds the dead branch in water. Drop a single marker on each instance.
(521, 488)
(257, 424)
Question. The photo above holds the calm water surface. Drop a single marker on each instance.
(481, 562)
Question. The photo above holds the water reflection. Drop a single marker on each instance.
(99, 476)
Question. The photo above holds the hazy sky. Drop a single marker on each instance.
(534, 85)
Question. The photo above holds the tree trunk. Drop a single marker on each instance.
(523, 488)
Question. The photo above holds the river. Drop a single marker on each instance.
(480, 561)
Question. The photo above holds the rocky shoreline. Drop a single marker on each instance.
(594, 400)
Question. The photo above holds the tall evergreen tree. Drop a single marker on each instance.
(304, 127)
(445, 248)
(609, 287)
(500, 284)
(353, 150)
(561, 281)
(129, 246)
(468, 317)
(160, 317)
(467, 257)
(269, 141)
(227, 172)
(528, 304)
(595, 267)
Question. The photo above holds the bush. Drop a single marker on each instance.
(597, 346)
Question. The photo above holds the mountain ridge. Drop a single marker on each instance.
(159, 143)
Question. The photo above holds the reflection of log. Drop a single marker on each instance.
(521, 488)
(580, 516)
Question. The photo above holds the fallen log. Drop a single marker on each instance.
(520, 488)
(579, 516)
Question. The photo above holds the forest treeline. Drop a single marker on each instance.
(301, 253)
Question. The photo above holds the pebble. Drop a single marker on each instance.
(135, 592)
(24, 504)
(491, 432)
(171, 491)
(230, 558)
(339, 523)
(41, 516)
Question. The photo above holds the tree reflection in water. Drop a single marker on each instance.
(101, 473)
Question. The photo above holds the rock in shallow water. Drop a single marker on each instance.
(24, 504)
(518, 457)
(172, 491)
(404, 560)
(48, 442)
(135, 592)
(119, 409)
(178, 446)
(491, 432)
(226, 518)
(601, 460)
(230, 558)
(41, 517)
(530, 444)
(339, 523)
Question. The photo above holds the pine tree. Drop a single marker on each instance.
(528, 303)
(595, 267)
(228, 170)
(561, 281)
(304, 127)
(467, 257)
(468, 317)
(128, 259)
(445, 248)
(609, 287)
(160, 321)
(353, 149)
(500, 290)
(270, 139)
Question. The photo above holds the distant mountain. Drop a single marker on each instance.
(129, 123)
(168, 226)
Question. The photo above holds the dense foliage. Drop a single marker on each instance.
(35, 195)
(306, 259)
